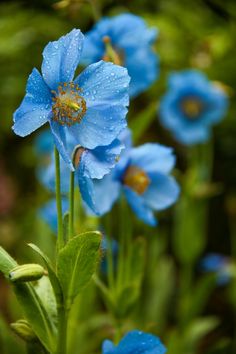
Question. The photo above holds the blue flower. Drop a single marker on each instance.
(131, 41)
(135, 342)
(43, 143)
(89, 165)
(219, 264)
(143, 175)
(92, 107)
(48, 213)
(191, 106)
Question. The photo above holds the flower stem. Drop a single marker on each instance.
(60, 241)
(62, 331)
(72, 198)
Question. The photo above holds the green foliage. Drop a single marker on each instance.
(77, 263)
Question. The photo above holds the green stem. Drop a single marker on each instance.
(62, 331)
(72, 198)
(60, 241)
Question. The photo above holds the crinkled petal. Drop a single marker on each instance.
(104, 83)
(60, 142)
(162, 192)
(142, 210)
(61, 58)
(105, 192)
(100, 126)
(100, 161)
(35, 108)
(153, 157)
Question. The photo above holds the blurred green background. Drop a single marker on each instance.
(192, 33)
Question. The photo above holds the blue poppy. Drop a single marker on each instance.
(135, 342)
(191, 106)
(92, 107)
(142, 173)
(90, 164)
(48, 213)
(219, 264)
(131, 42)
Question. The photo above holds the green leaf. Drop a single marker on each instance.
(32, 306)
(77, 263)
(51, 273)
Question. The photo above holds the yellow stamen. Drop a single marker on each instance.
(136, 179)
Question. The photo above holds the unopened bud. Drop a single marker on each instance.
(23, 330)
(26, 272)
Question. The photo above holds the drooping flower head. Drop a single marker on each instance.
(135, 342)
(219, 264)
(125, 40)
(48, 212)
(143, 175)
(89, 164)
(191, 106)
(91, 107)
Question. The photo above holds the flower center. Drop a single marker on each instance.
(112, 54)
(192, 107)
(69, 106)
(136, 179)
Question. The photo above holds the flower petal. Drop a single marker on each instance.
(35, 108)
(61, 58)
(104, 83)
(49, 212)
(138, 205)
(135, 340)
(105, 192)
(162, 192)
(100, 161)
(100, 126)
(108, 347)
(153, 158)
(60, 142)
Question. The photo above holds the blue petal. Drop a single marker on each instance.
(100, 126)
(44, 143)
(60, 142)
(49, 212)
(108, 347)
(140, 342)
(162, 192)
(142, 210)
(104, 83)
(153, 158)
(192, 134)
(180, 79)
(61, 58)
(143, 68)
(100, 161)
(105, 192)
(35, 108)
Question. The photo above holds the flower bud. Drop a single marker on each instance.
(23, 330)
(26, 272)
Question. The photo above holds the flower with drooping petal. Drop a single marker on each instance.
(91, 107)
(48, 212)
(128, 42)
(135, 342)
(89, 165)
(143, 175)
(214, 262)
(191, 106)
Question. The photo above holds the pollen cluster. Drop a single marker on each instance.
(69, 106)
(136, 179)
(192, 107)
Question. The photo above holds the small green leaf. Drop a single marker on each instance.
(51, 273)
(77, 263)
